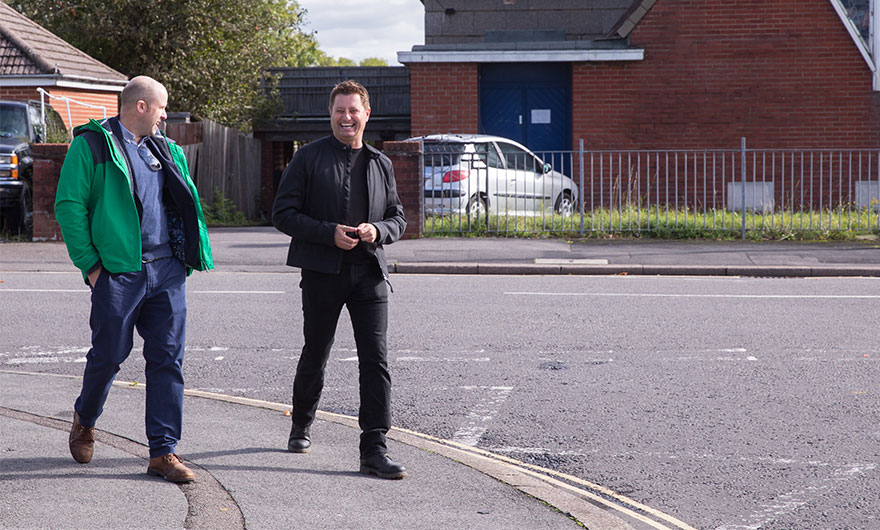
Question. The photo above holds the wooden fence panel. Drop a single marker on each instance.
(228, 161)
(191, 152)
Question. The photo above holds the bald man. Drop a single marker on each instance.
(133, 224)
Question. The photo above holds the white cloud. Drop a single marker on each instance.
(358, 29)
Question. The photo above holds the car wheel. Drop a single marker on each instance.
(12, 220)
(477, 208)
(564, 204)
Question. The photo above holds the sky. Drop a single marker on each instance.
(358, 29)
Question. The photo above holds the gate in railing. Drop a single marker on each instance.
(479, 187)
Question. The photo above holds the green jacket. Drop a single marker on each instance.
(96, 209)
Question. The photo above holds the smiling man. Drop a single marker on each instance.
(338, 201)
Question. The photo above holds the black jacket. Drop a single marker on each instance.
(313, 197)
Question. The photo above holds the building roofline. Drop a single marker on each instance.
(9, 27)
(29, 52)
(64, 81)
(630, 19)
(519, 56)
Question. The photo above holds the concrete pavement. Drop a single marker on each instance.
(246, 478)
(264, 249)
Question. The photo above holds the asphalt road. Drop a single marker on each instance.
(730, 403)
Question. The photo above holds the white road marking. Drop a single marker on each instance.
(783, 504)
(751, 358)
(681, 295)
(579, 261)
(235, 292)
(483, 412)
(35, 355)
(509, 449)
(443, 359)
(39, 355)
(4, 290)
(419, 359)
(790, 502)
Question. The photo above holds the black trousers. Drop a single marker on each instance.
(363, 290)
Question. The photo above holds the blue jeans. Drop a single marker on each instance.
(153, 300)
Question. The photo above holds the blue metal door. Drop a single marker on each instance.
(546, 120)
(500, 106)
(527, 102)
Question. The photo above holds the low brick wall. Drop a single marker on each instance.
(48, 159)
(407, 160)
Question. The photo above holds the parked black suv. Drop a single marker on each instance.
(20, 126)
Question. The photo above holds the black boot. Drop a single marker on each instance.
(299, 441)
(379, 464)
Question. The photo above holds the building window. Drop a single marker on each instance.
(859, 12)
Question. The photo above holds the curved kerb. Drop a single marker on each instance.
(211, 506)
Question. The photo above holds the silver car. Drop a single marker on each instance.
(477, 174)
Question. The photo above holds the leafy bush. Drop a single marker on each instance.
(223, 211)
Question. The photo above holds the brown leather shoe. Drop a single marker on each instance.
(171, 468)
(81, 441)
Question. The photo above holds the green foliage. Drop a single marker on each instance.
(326, 60)
(55, 131)
(207, 53)
(660, 223)
(223, 211)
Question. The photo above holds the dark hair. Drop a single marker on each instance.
(350, 87)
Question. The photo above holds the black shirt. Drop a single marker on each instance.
(357, 203)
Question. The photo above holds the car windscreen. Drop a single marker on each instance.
(13, 121)
(444, 154)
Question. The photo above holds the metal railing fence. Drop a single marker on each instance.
(477, 188)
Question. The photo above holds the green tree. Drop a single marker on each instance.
(327, 60)
(208, 53)
(374, 61)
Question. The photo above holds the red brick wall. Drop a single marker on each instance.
(19, 93)
(444, 98)
(48, 159)
(407, 160)
(782, 73)
(79, 114)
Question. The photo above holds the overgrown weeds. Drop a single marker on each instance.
(662, 223)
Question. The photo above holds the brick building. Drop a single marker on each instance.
(649, 74)
(31, 57)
